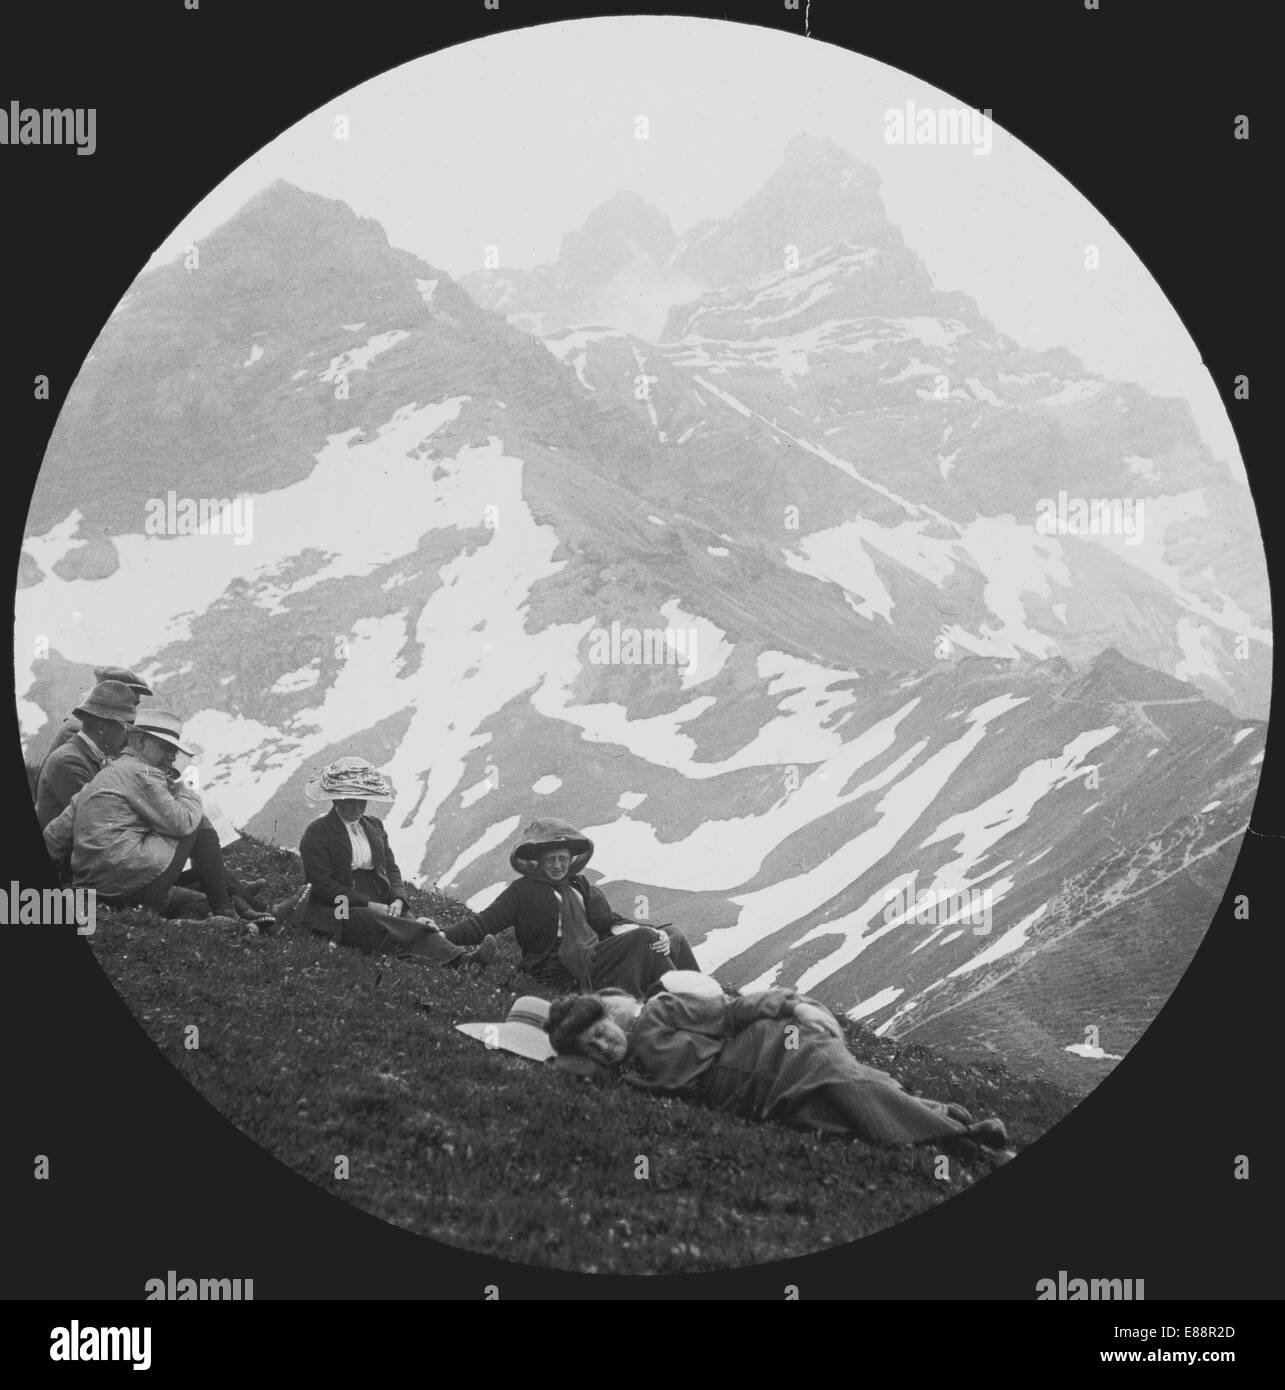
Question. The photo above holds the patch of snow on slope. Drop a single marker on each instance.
(984, 393)
(427, 289)
(493, 835)
(913, 368)
(1074, 392)
(367, 504)
(58, 541)
(875, 1003)
(547, 785)
(724, 854)
(931, 332)
(1008, 810)
(472, 633)
(705, 650)
(767, 980)
(1003, 945)
(250, 761)
(255, 353)
(787, 900)
(485, 897)
(1198, 658)
(796, 735)
(301, 679)
(476, 792)
(1013, 560)
(358, 359)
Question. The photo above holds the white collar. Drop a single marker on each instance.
(92, 746)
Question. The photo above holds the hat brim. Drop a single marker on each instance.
(691, 983)
(522, 1039)
(165, 737)
(533, 849)
(315, 794)
(117, 716)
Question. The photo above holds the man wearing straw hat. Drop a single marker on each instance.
(358, 897)
(103, 718)
(129, 831)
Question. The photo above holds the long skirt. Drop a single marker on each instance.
(793, 1076)
(373, 934)
(627, 961)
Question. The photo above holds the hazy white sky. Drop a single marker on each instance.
(513, 140)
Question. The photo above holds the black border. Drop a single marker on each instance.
(1134, 103)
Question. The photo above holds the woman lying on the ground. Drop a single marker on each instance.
(774, 1056)
(358, 897)
(569, 935)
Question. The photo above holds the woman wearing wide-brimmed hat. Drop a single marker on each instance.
(569, 934)
(358, 896)
(775, 1055)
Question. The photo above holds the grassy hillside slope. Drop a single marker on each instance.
(316, 1052)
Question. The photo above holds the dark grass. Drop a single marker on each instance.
(316, 1051)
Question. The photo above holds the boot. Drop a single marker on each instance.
(289, 912)
(478, 958)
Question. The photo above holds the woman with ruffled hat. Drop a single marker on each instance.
(569, 934)
(358, 897)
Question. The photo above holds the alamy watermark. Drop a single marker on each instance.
(58, 907)
(1092, 516)
(939, 907)
(651, 646)
(50, 125)
(76, 1343)
(173, 515)
(939, 125)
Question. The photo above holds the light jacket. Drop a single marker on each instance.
(122, 828)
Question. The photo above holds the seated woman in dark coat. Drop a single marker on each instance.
(358, 897)
(569, 935)
(774, 1055)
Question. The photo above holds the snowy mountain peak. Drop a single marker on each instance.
(822, 155)
(616, 235)
(817, 196)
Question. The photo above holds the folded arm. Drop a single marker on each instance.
(173, 809)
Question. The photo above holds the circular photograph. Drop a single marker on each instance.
(644, 647)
